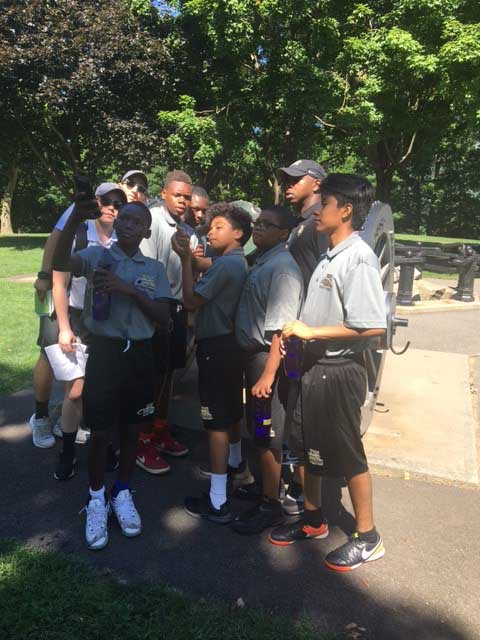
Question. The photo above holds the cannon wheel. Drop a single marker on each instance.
(378, 233)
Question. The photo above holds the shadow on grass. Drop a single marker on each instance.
(50, 595)
(14, 377)
(22, 243)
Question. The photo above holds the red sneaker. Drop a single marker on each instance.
(164, 441)
(149, 459)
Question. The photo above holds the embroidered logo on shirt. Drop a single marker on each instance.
(315, 458)
(327, 282)
(145, 282)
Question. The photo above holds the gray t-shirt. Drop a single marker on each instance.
(126, 318)
(222, 286)
(306, 244)
(271, 296)
(159, 245)
(346, 289)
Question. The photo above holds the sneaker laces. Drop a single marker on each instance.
(125, 507)
(97, 514)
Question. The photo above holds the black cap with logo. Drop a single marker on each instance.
(303, 168)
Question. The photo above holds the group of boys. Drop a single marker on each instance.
(311, 280)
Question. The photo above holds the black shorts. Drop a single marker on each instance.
(254, 364)
(170, 349)
(48, 331)
(324, 429)
(77, 326)
(118, 383)
(220, 381)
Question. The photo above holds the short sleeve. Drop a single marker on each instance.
(213, 281)
(162, 286)
(364, 298)
(62, 221)
(284, 298)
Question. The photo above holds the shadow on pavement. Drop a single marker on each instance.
(207, 560)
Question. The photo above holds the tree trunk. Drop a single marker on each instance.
(277, 190)
(6, 212)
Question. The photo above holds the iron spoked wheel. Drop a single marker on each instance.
(378, 233)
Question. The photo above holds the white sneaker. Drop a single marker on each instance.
(82, 437)
(41, 433)
(96, 526)
(127, 515)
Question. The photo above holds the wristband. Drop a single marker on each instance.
(44, 275)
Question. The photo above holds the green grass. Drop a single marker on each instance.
(21, 254)
(18, 349)
(49, 596)
(438, 239)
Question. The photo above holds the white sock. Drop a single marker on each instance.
(99, 494)
(235, 454)
(218, 489)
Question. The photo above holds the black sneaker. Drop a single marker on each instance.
(354, 553)
(300, 530)
(267, 513)
(65, 468)
(201, 507)
(112, 460)
(251, 491)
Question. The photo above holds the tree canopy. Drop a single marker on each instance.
(230, 90)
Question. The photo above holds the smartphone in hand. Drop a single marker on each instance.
(84, 197)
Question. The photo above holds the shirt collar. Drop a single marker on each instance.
(310, 211)
(118, 254)
(349, 240)
(264, 257)
(235, 252)
(92, 234)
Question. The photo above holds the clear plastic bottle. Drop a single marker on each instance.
(294, 358)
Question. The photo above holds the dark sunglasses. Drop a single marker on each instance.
(106, 202)
(131, 184)
(264, 224)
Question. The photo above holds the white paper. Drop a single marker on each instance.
(67, 366)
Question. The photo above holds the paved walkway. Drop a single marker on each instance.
(426, 587)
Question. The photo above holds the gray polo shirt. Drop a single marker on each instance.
(126, 319)
(271, 296)
(222, 286)
(346, 289)
(159, 245)
(306, 244)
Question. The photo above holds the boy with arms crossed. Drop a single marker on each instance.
(345, 306)
(272, 293)
(119, 372)
(219, 358)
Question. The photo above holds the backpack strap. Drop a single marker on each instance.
(81, 238)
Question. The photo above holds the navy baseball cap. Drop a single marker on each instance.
(303, 168)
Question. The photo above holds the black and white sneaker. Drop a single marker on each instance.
(65, 468)
(267, 513)
(354, 553)
(293, 502)
(201, 507)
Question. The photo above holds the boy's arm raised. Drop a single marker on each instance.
(62, 258)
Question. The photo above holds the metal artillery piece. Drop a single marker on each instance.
(378, 232)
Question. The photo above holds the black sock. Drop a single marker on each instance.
(41, 409)
(295, 489)
(369, 536)
(69, 443)
(313, 518)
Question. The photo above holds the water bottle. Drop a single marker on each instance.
(100, 299)
(294, 358)
(262, 419)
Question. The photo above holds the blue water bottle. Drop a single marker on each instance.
(262, 419)
(294, 358)
(101, 300)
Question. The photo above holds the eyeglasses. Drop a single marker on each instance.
(131, 184)
(106, 202)
(264, 224)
